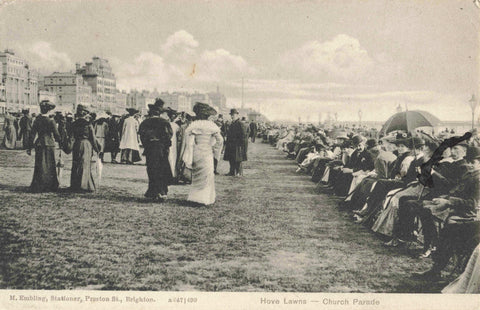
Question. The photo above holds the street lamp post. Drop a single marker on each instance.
(473, 105)
(360, 117)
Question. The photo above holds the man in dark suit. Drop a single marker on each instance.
(253, 130)
(112, 139)
(235, 148)
(25, 128)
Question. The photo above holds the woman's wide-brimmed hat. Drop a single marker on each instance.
(157, 106)
(234, 111)
(102, 115)
(132, 111)
(46, 105)
(204, 109)
(82, 110)
(407, 140)
(171, 112)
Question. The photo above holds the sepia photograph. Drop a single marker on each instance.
(212, 154)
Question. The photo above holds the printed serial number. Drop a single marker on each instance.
(183, 300)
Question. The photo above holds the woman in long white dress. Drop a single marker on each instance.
(172, 154)
(204, 142)
(10, 138)
(129, 142)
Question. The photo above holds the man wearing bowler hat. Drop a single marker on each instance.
(235, 148)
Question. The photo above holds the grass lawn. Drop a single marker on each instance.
(268, 231)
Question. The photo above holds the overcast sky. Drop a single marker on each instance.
(298, 58)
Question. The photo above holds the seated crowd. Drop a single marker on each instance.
(377, 180)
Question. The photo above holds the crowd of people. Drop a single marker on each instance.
(408, 188)
(179, 147)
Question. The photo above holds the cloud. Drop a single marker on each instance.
(179, 47)
(221, 64)
(342, 58)
(42, 55)
(147, 71)
(179, 65)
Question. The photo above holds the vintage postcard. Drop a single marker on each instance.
(217, 154)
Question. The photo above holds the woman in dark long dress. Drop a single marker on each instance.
(85, 143)
(45, 174)
(156, 136)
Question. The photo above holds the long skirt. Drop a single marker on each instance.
(342, 183)
(130, 156)
(158, 170)
(10, 138)
(101, 143)
(387, 221)
(25, 138)
(469, 281)
(202, 189)
(355, 181)
(111, 145)
(172, 158)
(45, 173)
(377, 195)
(82, 177)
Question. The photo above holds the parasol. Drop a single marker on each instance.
(410, 120)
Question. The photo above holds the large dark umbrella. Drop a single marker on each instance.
(410, 120)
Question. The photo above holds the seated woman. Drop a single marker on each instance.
(342, 155)
(383, 165)
(317, 151)
(461, 198)
(358, 175)
(387, 221)
(360, 161)
(403, 172)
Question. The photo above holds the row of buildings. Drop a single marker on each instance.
(92, 85)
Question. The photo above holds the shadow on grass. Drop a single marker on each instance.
(17, 189)
(14, 249)
(104, 195)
